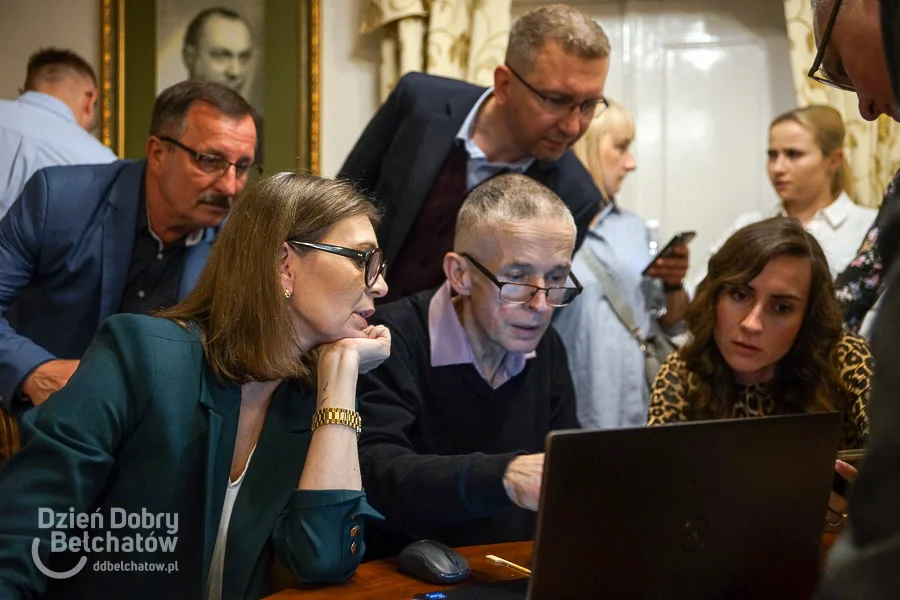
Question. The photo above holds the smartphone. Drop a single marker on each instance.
(851, 456)
(679, 239)
(839, 485)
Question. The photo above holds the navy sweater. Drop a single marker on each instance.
(436, 441)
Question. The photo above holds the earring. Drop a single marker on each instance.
(287, 294)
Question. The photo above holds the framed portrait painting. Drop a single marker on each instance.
(267, 50)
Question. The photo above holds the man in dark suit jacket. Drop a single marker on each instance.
(434, 139)
(863, 563)
(84, 242)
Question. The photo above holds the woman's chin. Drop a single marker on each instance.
(350, 331)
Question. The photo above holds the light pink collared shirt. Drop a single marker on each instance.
(451, 346)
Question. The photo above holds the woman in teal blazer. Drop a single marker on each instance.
(192, 448)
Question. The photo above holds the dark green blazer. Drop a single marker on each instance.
(144, 427)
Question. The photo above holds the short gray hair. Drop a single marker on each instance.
(504, 199)
(578, 34)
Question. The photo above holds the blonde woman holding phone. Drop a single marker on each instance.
(613, 336)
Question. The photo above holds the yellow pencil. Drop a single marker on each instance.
(511, 565)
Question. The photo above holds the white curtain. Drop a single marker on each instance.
(872, 149)
(463, 39)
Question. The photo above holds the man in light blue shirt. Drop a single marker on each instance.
(48, 124)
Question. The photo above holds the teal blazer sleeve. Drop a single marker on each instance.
(143, 425)
(333, 515)
(69, 448)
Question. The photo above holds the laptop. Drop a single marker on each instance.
(713, 509)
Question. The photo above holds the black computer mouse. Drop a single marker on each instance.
(434, 562)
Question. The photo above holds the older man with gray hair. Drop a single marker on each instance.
(455, 420)
(851, 57)
(863, 563)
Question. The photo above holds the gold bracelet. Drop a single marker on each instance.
(337, 416)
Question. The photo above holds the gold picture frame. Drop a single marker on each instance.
(126, 99)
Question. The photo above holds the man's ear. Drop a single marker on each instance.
(156, 149)
(456, 268)
(89, 108)
(502, 78)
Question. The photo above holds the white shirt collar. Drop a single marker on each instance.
(835, 213)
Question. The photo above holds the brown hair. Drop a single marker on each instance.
(172, 105)
(238, 304)
(808, 378)
(577, 33)
(827, 127)
(48, 65)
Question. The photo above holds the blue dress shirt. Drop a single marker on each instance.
(36, 131)
(478, 167)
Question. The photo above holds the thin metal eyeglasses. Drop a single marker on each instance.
(817, 71)
(521, 293)
(372, 259)
(216, 165)
(563, 107)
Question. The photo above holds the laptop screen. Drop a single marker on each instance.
(713, 509)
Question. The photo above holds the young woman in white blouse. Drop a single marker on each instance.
(807, 168)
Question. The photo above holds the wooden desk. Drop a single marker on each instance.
(380, 579)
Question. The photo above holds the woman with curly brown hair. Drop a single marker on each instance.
(767, 340)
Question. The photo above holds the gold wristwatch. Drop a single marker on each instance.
(337, 416)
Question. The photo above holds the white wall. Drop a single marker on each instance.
(26, 25)
(349, 80)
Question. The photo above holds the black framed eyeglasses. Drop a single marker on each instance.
(563, 107)
(817, 71)
(216, 165)
(520, 293)
(372, 259)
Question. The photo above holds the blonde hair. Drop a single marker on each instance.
(504, 199)
(245, 325)
(577, 33)
(616, 120)
(827, 127)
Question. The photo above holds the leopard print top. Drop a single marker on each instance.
(669, 404)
